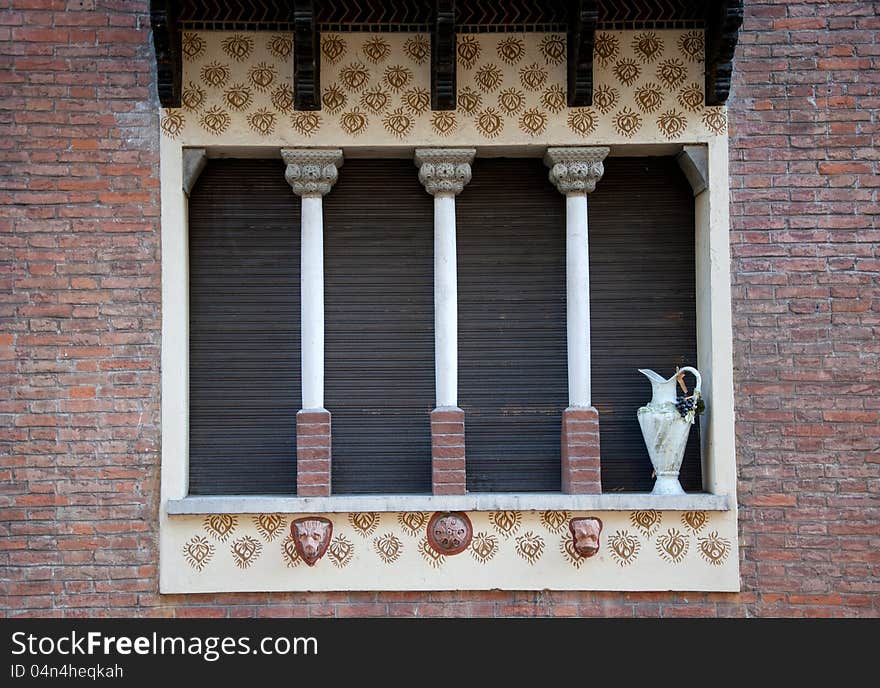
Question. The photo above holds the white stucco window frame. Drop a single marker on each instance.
(706, 165)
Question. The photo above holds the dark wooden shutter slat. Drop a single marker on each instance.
(512, 366)
(379, 327)
(642, 307)
(244, 329)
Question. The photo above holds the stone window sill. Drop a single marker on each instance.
(264, 504)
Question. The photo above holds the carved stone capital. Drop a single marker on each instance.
(576, 170)
(311, 172)
(444, 170)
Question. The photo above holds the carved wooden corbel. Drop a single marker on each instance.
(166, 41)
(582, 19)
(723, 21)
(443, 55)
(306, 57)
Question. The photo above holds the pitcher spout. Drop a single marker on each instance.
(652, 376)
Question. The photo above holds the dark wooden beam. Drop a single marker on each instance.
(723, 21)
(582, 19)
(306, 57)
(166, 42)
(443, 55)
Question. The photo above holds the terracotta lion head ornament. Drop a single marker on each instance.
(586, 532)
(311, 536)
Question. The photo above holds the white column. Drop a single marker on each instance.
(575, 171)
(311, 174)
(444, 173)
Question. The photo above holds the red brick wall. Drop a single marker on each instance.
(79, 342)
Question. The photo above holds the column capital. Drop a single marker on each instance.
(444, 170)
(575, 170)
(310, 171)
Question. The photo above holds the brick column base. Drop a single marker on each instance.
(313, 453)
(447, 451)
(580, 451)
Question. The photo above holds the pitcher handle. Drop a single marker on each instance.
(696, 374)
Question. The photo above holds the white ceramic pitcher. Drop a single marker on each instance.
(665, 430)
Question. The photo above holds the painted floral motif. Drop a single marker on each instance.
(340, 551)
(354, 76)
(569, 553)
(627, 122)
(605, 98)
(581, 121)
(239, 97)
(530, 546)
(413, 522)
(172, 123)
(215, 120)
(289, 554)
(691, 45)
(220, 526)
(306, 123)
(624, 547)
(715, 120)
(398, 123)
(468, 51)
(714, 548)
(375, 99)
(533, 77)
(262, 121)
(397, 76)
(246, 550)
(443, 122)
(646, 521)
(198, 552)
(511, 50)
(533, 121)
(269, 526)
(489, 123)
(417, 100)
(238, 47)
(469, 100)
(488, 78)
(388, 547)
(554, 99)
(671, 73)
(262, 76)
(553, 49)
(193, 96)
(484, 547)
(554, 521)
(649, 97)
(695, 520)
(282, 98)
(280, 46)
(431, 555)
(376, 49)
(417, 48)
(511, 101)
(691, 97)
(605, 48)
(334, 99)
(672, 123)
(215, 74)
(647, 46)
(672, 546)
(364, 523)
(193, 45)
(332, 47)
(506, 522)
(353, 122)
(627, 71)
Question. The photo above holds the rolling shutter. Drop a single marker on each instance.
(379, 327)
(244, 329)
(512, 342)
